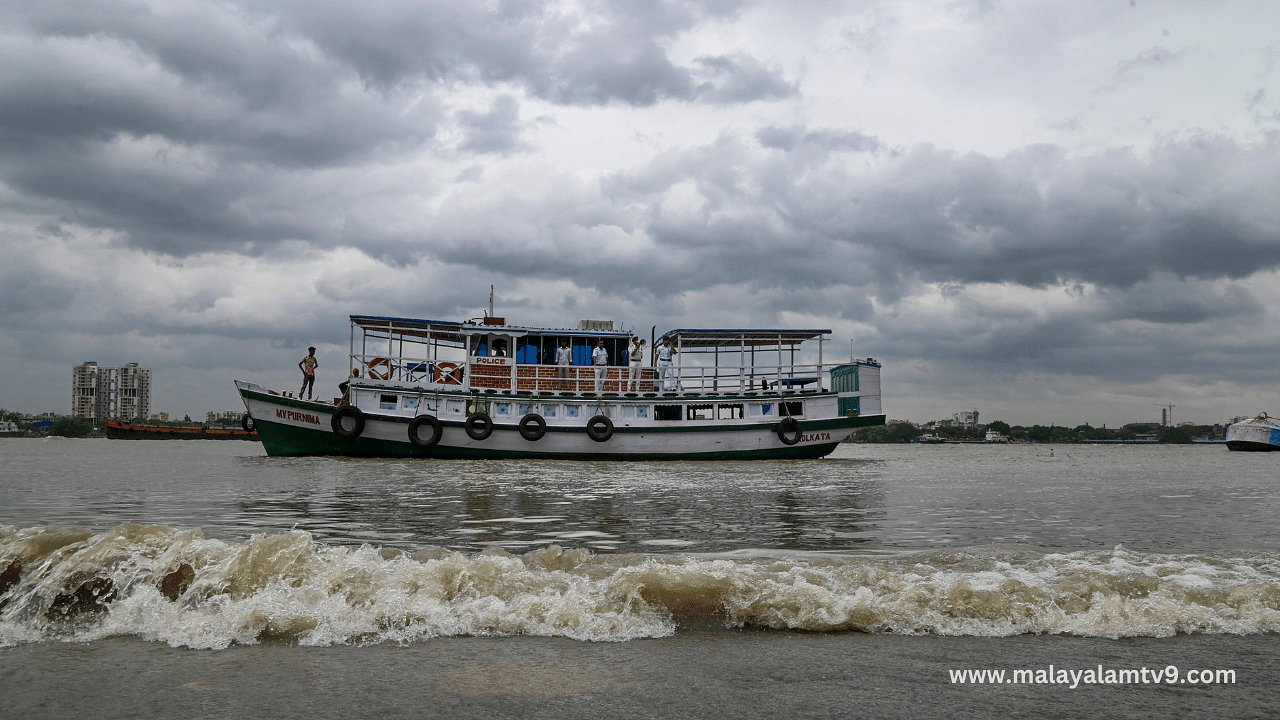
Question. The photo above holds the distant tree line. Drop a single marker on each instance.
(906, 432)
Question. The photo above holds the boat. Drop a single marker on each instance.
(486, 389)
(995, 436)
(1259, 434)
(931, 439)
(117, 430)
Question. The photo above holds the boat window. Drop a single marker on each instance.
(523, 409)
(410, 403)
(642, 412)
(572, 411)
(478, 406)
(700, 412)
(795, 407)
(729, 412)
(760, 409)
(667, 412)
(453, 406)
(502, 409)
(387, 402)
(549, 410)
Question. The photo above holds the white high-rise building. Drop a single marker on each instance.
(120, 392)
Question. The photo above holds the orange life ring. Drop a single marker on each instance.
(448, 373)
(385, 374)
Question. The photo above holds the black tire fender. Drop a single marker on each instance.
(532, 427)
(600, 428)
(789, 431)
(479, 426)
(247, 424)
(436, 431)
(340, 429)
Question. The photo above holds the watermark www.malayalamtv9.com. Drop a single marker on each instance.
(1072, 679)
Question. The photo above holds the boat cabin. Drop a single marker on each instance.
(487, 355)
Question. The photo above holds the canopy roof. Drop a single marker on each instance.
(447, 330)
(736, 338)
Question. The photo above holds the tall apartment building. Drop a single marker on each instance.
(120, 392)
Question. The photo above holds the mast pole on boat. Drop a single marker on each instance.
(819, 363)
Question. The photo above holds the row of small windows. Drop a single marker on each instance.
(516, 410)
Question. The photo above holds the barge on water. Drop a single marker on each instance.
(486, 389)
(118, 430)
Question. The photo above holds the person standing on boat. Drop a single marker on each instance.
(665, 365)
(308, 367)
(637, 361)
(564, 358)
(600, 358)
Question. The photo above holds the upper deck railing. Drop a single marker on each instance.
(453, 357)
(506, 376)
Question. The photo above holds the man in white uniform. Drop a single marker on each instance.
(600, 358)
(665, 367)
(637, 361)
(564, 358)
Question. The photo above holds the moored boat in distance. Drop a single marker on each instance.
(486, 389)
(117, 430)
(1258, 434)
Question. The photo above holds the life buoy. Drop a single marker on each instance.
(436, 431)
(479, 426)
(789, 431)
(448, 373)
(532, 427)
(600, 428)
(347, 422)
(384, 374)
(247, 424)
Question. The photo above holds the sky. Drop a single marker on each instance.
(1050, 212)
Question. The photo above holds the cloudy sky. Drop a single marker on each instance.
(1051, 211)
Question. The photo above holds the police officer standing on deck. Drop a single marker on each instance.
(600, 358)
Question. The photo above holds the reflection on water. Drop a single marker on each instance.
(707, 507)
(865, 497)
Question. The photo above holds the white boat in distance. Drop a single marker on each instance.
(485, 389)
(1259, 434)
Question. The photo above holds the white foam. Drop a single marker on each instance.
(289, 587)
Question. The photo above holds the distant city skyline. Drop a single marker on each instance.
(1057, 212)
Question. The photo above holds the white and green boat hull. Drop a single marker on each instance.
(291, 427)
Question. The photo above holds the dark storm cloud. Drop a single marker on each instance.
(231, 100)
(742, 78)
(606, 52)
(1033, 217)
(496, 131)
(779, 138)
(805, 214)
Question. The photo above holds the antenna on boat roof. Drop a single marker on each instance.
(490, 301)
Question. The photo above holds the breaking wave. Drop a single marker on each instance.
(176, 586)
